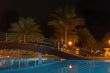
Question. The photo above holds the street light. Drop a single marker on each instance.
(70, 46)
(70, 43)
(109, 42)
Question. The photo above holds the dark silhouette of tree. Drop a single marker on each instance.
(65, 21)
(86, 40)
(26, 27)
(106, 40)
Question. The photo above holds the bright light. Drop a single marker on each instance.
(109, 41)
(70, 43)
(70, 66)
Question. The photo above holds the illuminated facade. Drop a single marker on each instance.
(107, 52)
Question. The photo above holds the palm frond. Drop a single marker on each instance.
(26, 26)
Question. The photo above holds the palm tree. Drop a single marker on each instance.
(106, 40)
(65, 21)
(26, 28)
(86, 39)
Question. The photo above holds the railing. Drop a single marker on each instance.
(82, 52)
(33, 39)
(29, 38)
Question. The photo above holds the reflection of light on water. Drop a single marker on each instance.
(70, 66)
(106, 60)
(1, 64)
(108, 69)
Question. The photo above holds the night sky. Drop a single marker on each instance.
(95, 12)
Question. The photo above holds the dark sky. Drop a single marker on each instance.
(97, 15)
(95, 12)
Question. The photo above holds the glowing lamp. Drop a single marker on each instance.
(109, 41)
(70, 43)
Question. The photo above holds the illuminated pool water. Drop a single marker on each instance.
(65, 66)
(11, 64)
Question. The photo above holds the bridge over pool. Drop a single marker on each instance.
(42, 45)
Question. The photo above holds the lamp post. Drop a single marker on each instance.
(70, 43)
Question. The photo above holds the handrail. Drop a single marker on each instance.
(45, 42)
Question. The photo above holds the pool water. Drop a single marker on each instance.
(65, 66)
(18, 63)
(79, 66)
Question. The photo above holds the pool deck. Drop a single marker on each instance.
(98, 58)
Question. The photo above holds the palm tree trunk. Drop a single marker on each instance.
(66, 37)
(24, 38)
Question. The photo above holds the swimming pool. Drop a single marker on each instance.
(11, 64)
(65, 66)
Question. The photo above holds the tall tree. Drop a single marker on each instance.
(86, 39)
(65, 21)
(106, 40)
(26, 28)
